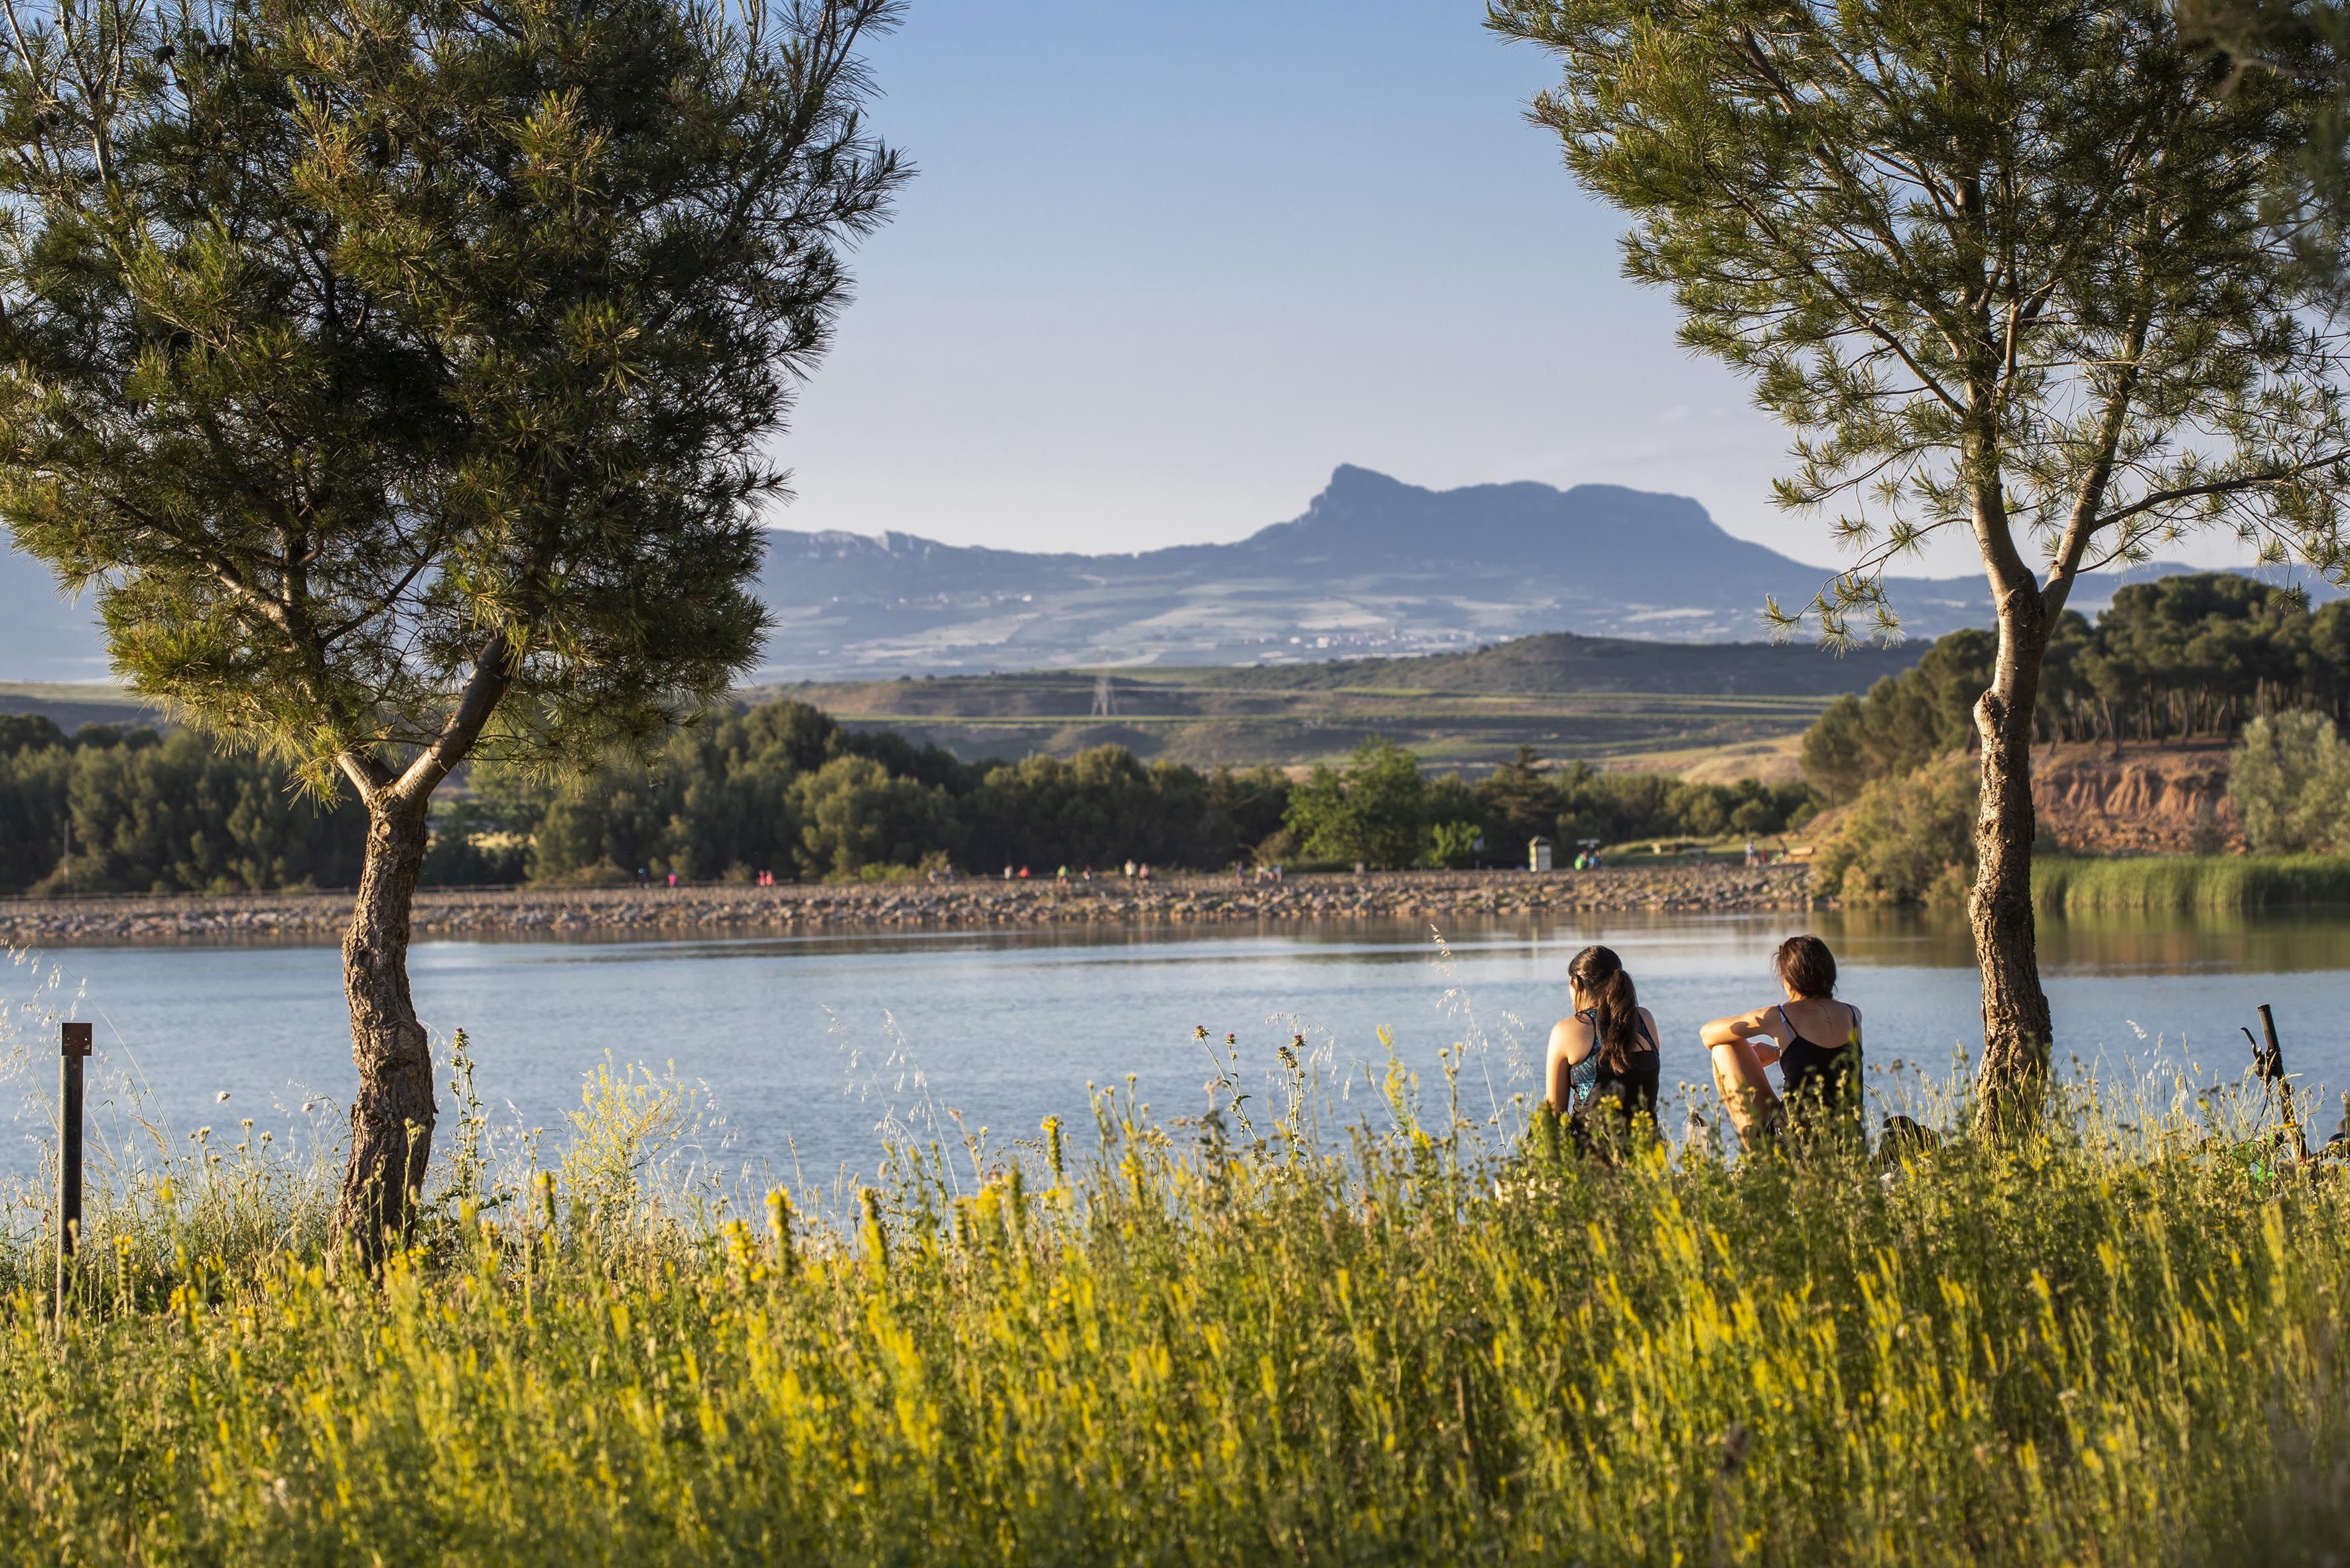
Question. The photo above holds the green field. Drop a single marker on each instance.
(1195, 717)
(1188, 717)
(2115, 1342)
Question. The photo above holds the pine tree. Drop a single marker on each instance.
(398, 372)
(2005, 267)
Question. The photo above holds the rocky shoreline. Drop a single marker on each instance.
(964, 904)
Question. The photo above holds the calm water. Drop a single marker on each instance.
(802, 1046)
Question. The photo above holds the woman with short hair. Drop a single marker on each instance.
(1814, 1038)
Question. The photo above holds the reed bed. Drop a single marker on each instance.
(2197, 884)
(1256, 1335)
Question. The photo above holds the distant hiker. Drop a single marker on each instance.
(1604, 1056)
(1814, 1038)
(1007, 873)
(1129, 871)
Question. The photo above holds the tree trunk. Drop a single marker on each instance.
(2016, 1030)
(393, 1114)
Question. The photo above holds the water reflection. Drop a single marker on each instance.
(2136, 944)
(805, 1042)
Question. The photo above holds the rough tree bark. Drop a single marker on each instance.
(2016, 1017)
(393, 1114)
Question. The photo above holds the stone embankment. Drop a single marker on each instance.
(1436, 896)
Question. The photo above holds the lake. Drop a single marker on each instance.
(801, 1048)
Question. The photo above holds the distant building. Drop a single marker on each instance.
(1538, 854)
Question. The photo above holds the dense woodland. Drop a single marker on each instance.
(781, 788)
(2196, 655)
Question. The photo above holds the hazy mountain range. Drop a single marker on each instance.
(1372, 567)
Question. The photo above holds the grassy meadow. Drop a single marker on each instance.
(2188, 884)
(1279, 1330)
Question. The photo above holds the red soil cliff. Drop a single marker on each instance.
(2160, 799)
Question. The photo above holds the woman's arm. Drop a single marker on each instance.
(1570, 1043)
(1762, 1023)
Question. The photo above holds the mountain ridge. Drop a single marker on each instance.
(1372, 567)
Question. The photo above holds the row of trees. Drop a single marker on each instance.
(113, 810)
(783, 788)
(2200, 654)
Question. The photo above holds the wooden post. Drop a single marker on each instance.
(2268, 1060)
(73, 1049)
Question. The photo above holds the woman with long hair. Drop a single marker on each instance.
(1814, 1038)
(1607, 1052)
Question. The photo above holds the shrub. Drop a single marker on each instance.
(2290, 780)
(1905, 840)
(854, 814)
(1376, 811)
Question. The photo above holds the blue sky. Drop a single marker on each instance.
(1165, 266)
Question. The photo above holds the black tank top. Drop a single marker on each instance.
(1632, 1089)
(1827, 1075)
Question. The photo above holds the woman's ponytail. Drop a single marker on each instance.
(1600, 975)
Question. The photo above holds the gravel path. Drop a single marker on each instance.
(626, 911)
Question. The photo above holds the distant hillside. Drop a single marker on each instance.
(1728, 706)
(70, 706)
(1372, 568)
(1563, 661)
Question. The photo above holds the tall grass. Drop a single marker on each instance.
(2188, 884)
(1225, 1340)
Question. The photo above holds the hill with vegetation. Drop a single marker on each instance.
(1566, 662)
(1618, 702)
